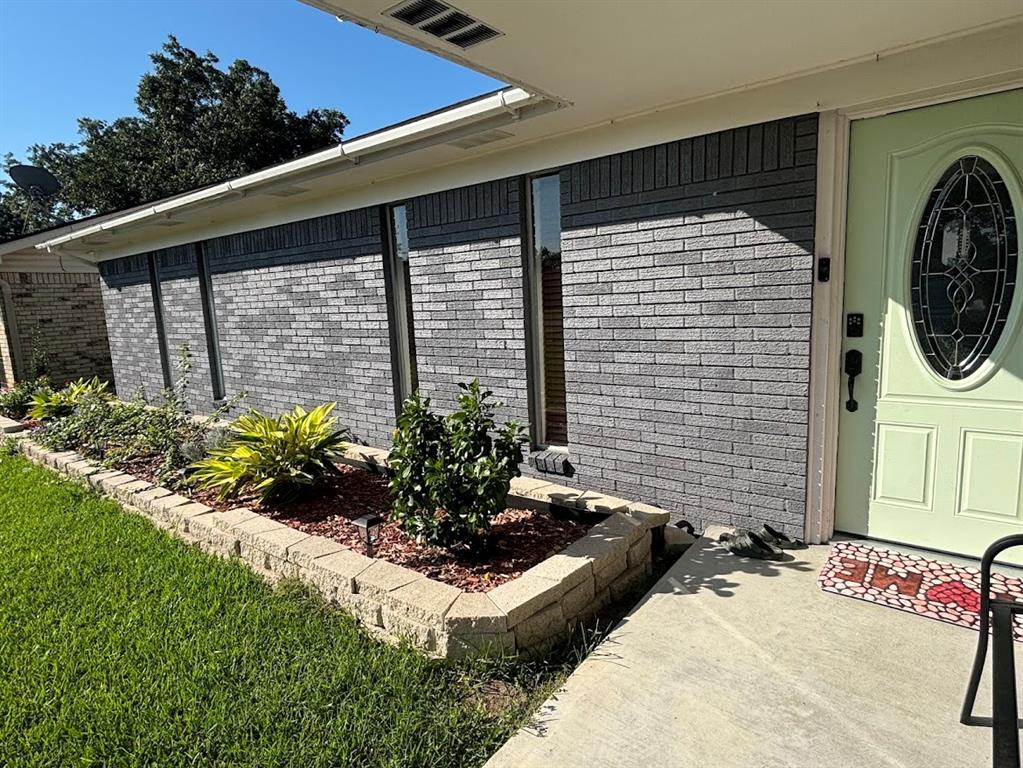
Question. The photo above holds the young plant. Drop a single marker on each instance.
(48, 404)
(451, 475)
(15, 402)
(275, 457)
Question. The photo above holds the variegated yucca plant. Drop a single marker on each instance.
(275, 457)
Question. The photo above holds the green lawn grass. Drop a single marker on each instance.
(120, 646)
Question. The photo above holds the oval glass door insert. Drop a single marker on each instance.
(963, 273)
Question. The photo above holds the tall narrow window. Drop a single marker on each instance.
(161, 329)
(546, 312)
(398, 287)
(209, 317)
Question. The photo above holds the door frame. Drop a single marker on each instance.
(826, 314)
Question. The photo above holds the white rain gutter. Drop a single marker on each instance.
(508, 101)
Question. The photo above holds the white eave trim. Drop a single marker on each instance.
(509, 100)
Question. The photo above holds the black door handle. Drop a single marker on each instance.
(853, 368)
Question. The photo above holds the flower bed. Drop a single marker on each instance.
(520, 538)
(531, 609)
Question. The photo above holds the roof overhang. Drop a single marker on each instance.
(450, 132)
(616, 59)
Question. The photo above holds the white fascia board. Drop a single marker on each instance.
(505, 101)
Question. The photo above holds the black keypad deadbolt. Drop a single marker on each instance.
(853, 368)
(854, 325)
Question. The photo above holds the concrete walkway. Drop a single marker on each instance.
(729, 663)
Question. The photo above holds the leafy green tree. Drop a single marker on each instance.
(197, 124)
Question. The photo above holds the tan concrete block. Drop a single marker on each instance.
(482, 644)
(96, 480)
(629, 581)
(250, 544)
(127, 491)
(561, 495)
(652, 516)
(527, 486)
(62, 459)
(401, 627)
(306, 551)
(10, 426)
(145, 499)
(334, 574)
(598, 603)
(474, 613)
(163, 507)
(278, 542)
(609, 569)
(182, 514)
(541, 627)
(591, 501)
(568, 569)
(424, 600)
(525, 596)
(382, 577)
(229, 518)
(578, 599)
(199, 526)
(628, 527)
(83, 468)
(110, 484)
(640, 551)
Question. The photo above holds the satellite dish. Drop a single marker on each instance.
(35, 181)
(38, 183)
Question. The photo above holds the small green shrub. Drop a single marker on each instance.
(276, 457)
(48, 404)
(15, 402)
(115, 432)
(451, 475)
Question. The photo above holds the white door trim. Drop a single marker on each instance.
(826, 316)
(826, 325)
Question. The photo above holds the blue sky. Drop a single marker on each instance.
(64, 59)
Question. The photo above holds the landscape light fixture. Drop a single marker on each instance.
(369, 527)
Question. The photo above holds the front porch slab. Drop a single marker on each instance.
(735, 663)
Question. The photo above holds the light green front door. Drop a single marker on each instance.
(933, 454)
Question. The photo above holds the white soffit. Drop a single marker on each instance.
(614, 59)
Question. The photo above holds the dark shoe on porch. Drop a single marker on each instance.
(779, 539)
(749, 544)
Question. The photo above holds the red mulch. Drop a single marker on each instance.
(520, 538)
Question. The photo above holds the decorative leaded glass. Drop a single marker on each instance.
(963, 274)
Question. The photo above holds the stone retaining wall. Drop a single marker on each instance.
(392, 602)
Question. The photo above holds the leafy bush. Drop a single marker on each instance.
(14, 402)
(451, 475)
(48, 404)
(276, 457)
(116, 432)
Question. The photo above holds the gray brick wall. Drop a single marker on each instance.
(465, 266)
(62, 313)
(687, 272)
(183, 322)
(131, 326)
(302, 318)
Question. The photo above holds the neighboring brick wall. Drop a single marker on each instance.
(303, 319)
(62, 314)
(131, 325)
(466, 273)
(687, 275)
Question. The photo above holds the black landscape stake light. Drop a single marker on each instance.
(369, 527)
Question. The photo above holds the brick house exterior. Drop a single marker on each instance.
(687, 270)
(53, 315)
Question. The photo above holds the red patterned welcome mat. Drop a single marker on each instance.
(931, 588)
